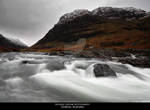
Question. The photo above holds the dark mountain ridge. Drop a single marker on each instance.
(8, 45)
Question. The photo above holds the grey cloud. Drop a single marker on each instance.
(143, 4)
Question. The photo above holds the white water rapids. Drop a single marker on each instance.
(36, 77)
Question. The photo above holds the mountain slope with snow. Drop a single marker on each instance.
(104, 12)
(102, 28)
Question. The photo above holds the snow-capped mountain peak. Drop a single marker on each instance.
(71, 16)
(132, 9)
(104, 12)
(127, 12)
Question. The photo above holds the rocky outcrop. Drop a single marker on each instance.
(143, 62)
(103, 70)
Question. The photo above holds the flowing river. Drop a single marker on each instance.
(35, 77)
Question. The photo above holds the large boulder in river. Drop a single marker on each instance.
(103, 70)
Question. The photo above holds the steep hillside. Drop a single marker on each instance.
(102, 28)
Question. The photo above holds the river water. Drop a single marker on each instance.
(35, 77)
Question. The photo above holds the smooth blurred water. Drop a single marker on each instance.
(38, 77)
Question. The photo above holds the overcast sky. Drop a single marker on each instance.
(30, 20)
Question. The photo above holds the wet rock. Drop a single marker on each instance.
(118, 68)
(55, 66)
(31, 62)
(144, 63)
(25, 62)
(103, 70)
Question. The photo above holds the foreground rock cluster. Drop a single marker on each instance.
(139, 58)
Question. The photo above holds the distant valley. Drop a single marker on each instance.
(10, 45)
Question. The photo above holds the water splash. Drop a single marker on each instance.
(35, 81)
